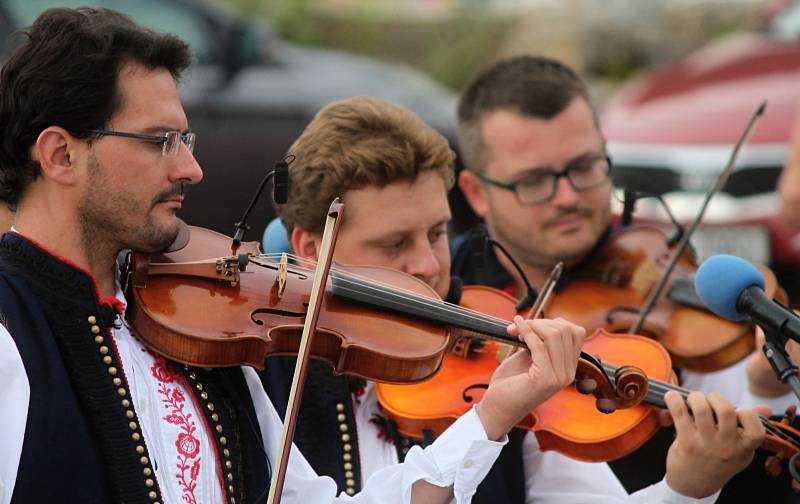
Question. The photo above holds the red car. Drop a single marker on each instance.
(671, 132)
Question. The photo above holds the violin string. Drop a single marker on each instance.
(656, 389)
(405, 294)
(371, 286)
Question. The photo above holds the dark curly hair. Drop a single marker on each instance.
(64, 73)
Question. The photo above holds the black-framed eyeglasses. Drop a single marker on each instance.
(539, 186)
(170, 141)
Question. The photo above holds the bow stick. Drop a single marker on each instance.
(301, 368)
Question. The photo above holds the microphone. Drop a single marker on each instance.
(477, 238)
(455, 291)
(280, 182)
(628, 205)
(734, 289)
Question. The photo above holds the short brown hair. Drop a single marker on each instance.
(356, 143)
(532, 86)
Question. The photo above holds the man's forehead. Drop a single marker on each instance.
(537, 141)
(149, 95)
(400, 207)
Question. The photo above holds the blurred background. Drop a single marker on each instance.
(674, 80)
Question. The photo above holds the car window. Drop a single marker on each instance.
(786, 24)
(171, 17)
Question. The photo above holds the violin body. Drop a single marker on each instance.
(569, 422)
(612, 287)
(195, 308)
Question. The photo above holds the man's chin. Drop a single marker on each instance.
(159, 239)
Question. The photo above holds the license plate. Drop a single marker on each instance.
(749, 242)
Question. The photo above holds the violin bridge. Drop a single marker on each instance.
(283, 271)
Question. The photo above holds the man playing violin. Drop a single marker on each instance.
(537, 173)
(95, 157)
(393, 173)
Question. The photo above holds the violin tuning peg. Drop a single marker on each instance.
(790, 414)
(605, 405)
(773, 466)
(586, 386)
(244, 260)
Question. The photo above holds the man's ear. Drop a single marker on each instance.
(475, 192)
(53, 150)
(305, 243)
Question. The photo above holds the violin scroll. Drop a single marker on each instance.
(628, 389)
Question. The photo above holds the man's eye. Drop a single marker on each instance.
(582, 167)
(537, 181)
(436, 234)
(397, 245)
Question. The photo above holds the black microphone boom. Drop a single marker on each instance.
(768, 313)
(280, 182)
(628, 206)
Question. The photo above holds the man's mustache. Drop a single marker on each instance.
(176, 190)
(571, 212)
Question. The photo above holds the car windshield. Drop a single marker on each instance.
(168, 17)
(786, 24)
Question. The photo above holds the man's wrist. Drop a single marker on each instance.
(768, 389)
(494, 428)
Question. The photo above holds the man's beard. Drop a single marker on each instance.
(105, 212)
(524, 248)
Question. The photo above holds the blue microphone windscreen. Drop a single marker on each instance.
(721, 279)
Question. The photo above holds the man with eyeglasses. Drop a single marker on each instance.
(537, 173)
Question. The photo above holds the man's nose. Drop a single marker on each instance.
(566, 195)
(186, 168)
(423, 264)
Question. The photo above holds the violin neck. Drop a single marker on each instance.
(473, 324)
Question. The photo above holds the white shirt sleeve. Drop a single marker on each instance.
(732, 383)
(15, 393)
(552, 478)
(461, 457)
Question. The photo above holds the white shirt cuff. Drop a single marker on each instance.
(777, 404)
(462, 456)
(663, 494)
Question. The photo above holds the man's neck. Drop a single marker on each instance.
(536, 275)
(68, 242)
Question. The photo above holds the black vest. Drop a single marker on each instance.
(83, 441)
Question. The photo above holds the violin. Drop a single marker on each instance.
(202, 307)
(610, 289)
(568, 422)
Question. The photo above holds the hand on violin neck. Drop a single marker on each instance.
(527, 379)
(705, 453)
(761, 378)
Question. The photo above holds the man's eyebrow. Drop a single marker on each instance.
(381, 240)
(549, 169)
(162, 129)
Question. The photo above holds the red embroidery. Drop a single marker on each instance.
(161, 373)
(187, 444)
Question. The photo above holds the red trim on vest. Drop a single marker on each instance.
(116, 304)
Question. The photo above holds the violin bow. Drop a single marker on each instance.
(542, 300)
(721, 180)
(329, 235)
(547, 291)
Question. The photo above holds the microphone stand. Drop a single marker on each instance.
(775, 351)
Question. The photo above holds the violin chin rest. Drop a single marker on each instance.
(182, 239)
